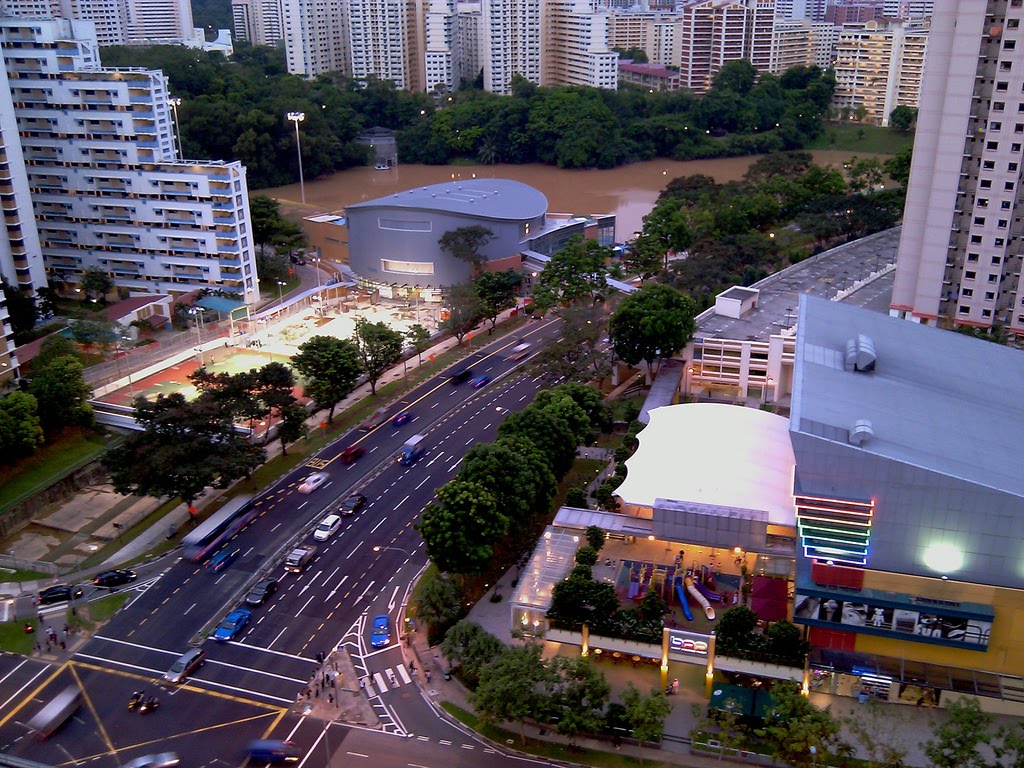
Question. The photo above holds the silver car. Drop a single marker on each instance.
(161, 760)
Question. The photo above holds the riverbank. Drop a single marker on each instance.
(629, 191)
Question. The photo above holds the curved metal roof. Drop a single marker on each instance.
(487, 198)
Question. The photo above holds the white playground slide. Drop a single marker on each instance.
(701, 600)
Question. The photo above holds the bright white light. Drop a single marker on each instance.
(943, 557)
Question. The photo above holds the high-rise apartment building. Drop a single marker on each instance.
(802, 43)
(715, 32)
(879, 66)
(315, 36)
(258, 22)
(811, 10)
(468, 34)
(512, 42)
(959, 257)
(159, 21)
(117, 22)
(383, 41)
(576, 46)
(842, 12)
(907, 9)
(451, 42)
(101, 169)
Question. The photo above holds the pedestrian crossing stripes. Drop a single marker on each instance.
(387, 680)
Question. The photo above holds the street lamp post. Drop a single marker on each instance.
(378, 548)
(298, 117)
(175, 102)
(128, 366)
(280, 296)
(315, 261)
(198, 316)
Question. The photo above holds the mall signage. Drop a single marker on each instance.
(689, 643)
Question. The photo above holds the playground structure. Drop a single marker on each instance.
(676, 584)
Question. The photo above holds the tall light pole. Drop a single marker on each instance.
(197, 314)
(175, 102)
(298, 117)
(315, 261)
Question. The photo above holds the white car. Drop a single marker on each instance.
(327, 528)
(313, 482)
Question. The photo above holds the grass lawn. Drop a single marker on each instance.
(14, 640)
(268, 288)
(72, 448)
(548, 749)
(844, 137)
(579, 475)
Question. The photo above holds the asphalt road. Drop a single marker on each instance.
(247, 687)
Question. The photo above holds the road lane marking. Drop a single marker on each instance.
(379, 524)
(379, 682)
(296, 680)
(6, 704)
(278, 636)
(357, 546)
(365, 591)
(135, 645)
(401, 502)
(357, 754)
(403, 674)
(304, 605)
(423, 482)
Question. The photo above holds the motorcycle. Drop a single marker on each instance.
(149, 704)
(135, 700)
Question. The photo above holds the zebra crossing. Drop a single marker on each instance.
(388, 680)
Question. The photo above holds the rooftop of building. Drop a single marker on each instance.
(935, 399)
(501, 199)
(822, 275)
(716, 455)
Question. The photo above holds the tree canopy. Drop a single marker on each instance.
(497, 292)
(577, 273)
(466, 244)
(465, 310)
(378, 346)
(330, 369)
(20, 431)
(62, 395)
(461, 528)
(655, 322)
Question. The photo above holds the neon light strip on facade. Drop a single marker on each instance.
(837, 530)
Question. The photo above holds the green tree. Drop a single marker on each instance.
(958, 738)
(737, 76)
(437, 600)
(97, 284)
(734, 630)
(466, 244)
(655, 322)
(589, 399)
(271, 265)
(665, 230)
(577, 273)
(792, 726)
(645, 713)
(510, 687)
(1010, 749)
(586, 556)
(330, 369)
(516, 473)
(865, 174)
(462, 528)
(93, 330)
(902, 118)
(898, 166)
(596, 537)
(470, 647)
(183, 448)
(291, 425)
(465, 310)
(21, 308)
(579, 355)
(418, 338)
(55, 345)
(576, 694)
(497, 292)
(785, 645)
(378, 346)
(62, 395)
(579, 600)
(20, 431)
(550, 433)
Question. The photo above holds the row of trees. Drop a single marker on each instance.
(56, 397)
(575, 127)
(236, 109)
(573, 697)
(799, 734)
(730, 232)
(489, 514)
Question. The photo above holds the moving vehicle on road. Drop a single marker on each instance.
(375, 419)
(351, 454)
(411, 451)
(478, 381)
(231, 625)
(59, 593)
(223, 559)
(352, 504)
(403, 418)
(273, 751)
(460, 376)
(327, 528)
(312, 482)
(299, 558)
(519, 351)
(114, 578)
(261, 592)
(189, 662)
(161, 760)
(199, 544)
(54, 714)
(380, 634)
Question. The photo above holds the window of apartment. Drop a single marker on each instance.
(1012, 23)
(989, 165)
(972, 257)
(1008, 186)
(979, 220)
(995, 126)
(986, 313)
(967, 293)
(992, 145)
(1005, 205)
(963, 310)
(983, 202)
(1002, 85)
(1003, 224)
(999, 242)
(1015, 147)
(970, 274)
(993, 278)
(985, 183)
(976, 239)
(999, 106)
(1011, 167)
(990, 296)
(997, 259)
(1004, 66)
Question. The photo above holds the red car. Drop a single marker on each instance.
(350, 454)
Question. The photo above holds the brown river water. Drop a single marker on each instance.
(628, 191)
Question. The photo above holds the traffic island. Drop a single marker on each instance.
(333, 693)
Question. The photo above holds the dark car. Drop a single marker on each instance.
(261, 592)
(231, 625)
(114, 578)
(403, 418)
(352, 504)
(59, 593)
(460, 376)
(222, 559)
(478, 381)
(350, 454)
(273, 751)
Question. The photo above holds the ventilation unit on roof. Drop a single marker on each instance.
(860, 354)
(861, 432)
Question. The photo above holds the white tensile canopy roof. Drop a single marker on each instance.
(714, 454)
